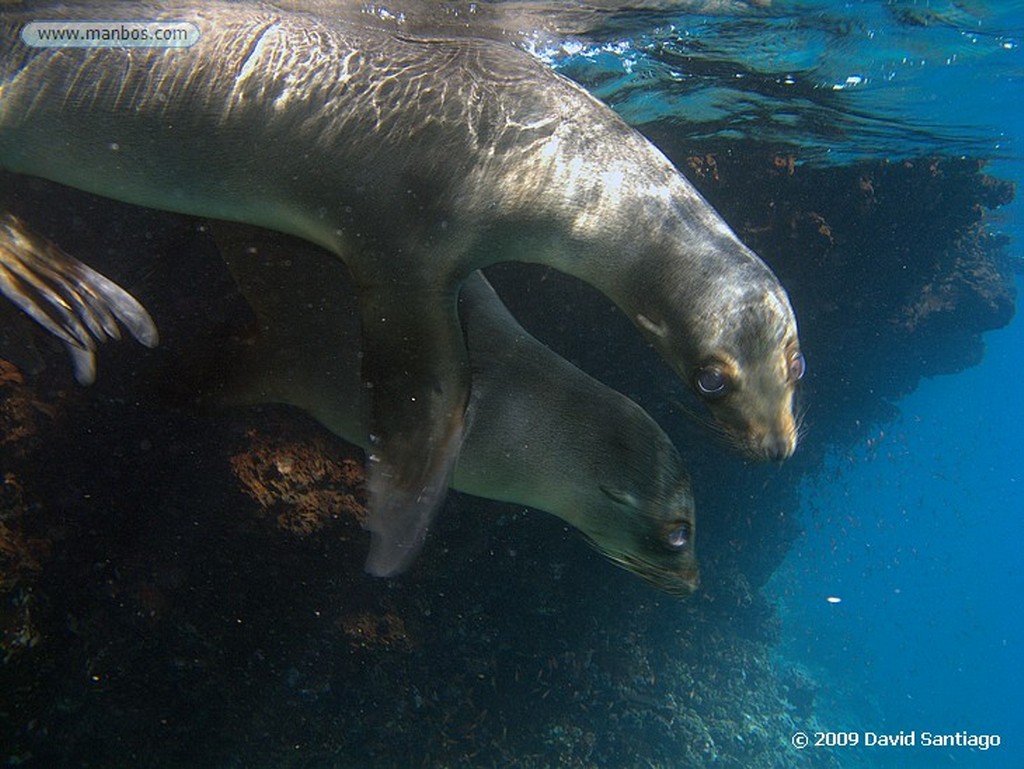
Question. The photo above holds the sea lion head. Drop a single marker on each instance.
(640, 513)
(742, 359)
(748, 379)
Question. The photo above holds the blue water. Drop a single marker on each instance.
(913, 535)
(916, 533)
(844, 79)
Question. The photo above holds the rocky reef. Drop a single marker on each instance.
(185, 588)
(304, 485)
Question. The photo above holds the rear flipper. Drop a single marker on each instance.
(66, 297)
(416, 371)
(395, 379)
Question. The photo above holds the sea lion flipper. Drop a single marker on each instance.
(69, 299)
(415, 368)
(389, 374)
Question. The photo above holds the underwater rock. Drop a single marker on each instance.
(303, 485)
(22, 557)
(800, 689)
(376, 632)
(21, 411)
(24, 546)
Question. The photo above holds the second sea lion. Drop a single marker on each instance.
(540, 432)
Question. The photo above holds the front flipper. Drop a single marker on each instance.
(69, 299)
(416, 371)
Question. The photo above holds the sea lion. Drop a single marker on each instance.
(417, 160)
(539, 431)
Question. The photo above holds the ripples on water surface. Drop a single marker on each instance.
(844, 80)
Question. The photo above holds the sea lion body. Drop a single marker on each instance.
(540, 432)
(417, 160)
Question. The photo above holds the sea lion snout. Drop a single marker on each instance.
(762, 422)
(779, 439)
(756, 414)
(777, 444)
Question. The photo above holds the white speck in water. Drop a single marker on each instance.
(850, 82)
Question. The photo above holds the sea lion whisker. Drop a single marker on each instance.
(654, 574)
(717, 430)
(697, 417)
(800, 424)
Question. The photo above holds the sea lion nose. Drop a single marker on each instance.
(772, 442)
(778, 446)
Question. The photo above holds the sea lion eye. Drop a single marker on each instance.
(797, 366)
(711, 382)
(679, 537)
(618, 496)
